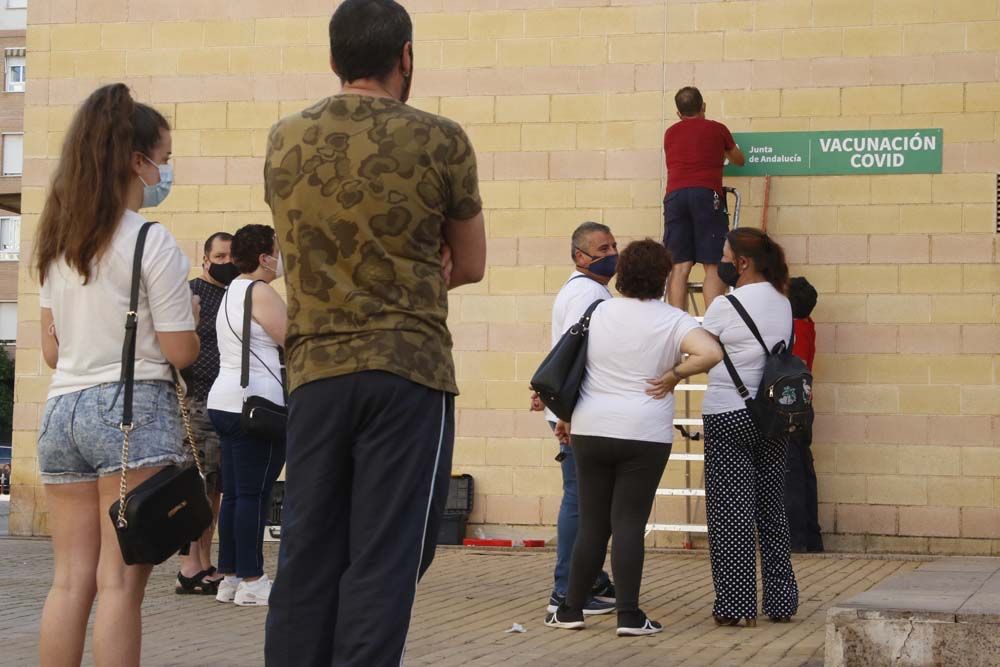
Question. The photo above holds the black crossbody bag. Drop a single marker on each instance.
(260, 417)
(560, 375)
(168, 511)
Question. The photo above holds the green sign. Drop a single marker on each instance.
(840, 152)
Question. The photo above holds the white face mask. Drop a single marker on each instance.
(153, 195)
(279, 268)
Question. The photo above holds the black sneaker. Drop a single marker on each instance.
(637, 625)
(604, 592)
(593, 607)
(567, 620)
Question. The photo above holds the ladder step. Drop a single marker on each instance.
(687, 457)
(691, 387)
(676, 527)
(680, 492)
(687, 422)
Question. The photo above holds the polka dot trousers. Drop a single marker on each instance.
(744, 498)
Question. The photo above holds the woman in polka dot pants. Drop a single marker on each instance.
(745, 472)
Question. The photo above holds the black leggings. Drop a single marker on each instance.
(618, 480)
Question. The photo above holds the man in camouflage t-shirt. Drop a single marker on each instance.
(377, 211)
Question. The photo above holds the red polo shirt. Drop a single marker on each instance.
(695, 150)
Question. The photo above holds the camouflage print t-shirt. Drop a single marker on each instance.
(360, 188)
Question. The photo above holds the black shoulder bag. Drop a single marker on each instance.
(560, 375)
(260, 418)
(168, 511)
(783, 404)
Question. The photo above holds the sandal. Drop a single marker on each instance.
(732, 622)
(196, 585)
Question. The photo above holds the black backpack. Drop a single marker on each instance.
(783, 404)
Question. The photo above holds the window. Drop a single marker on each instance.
(13, 154)
(8, 321)
(15, 74)
(10, 238)
(17, 4)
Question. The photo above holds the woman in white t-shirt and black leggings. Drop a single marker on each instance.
(745, 472)
(622, 430)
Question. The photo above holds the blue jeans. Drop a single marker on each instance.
(250, 467)
(568, 522)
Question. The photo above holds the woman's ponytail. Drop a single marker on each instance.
(91, 182)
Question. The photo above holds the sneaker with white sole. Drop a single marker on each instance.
(227, 589)
(642, 628)
(253, 593)
(567, 622)
(594, 607)
(604, 592)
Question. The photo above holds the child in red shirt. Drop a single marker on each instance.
(800, 480)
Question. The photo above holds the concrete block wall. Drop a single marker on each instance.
(566, 102)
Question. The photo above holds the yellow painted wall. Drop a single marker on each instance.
(566, 106)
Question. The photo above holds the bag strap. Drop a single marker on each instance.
(245, 343)
(585, 320)
(245, 350)
(737, 381)
(131, 330)
(127, 382)
(748, 321)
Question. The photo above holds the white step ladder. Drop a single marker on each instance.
(685, 423)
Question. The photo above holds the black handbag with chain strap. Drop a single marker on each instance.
(168, 511)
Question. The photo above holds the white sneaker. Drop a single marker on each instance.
(253, 593)
(227, 589)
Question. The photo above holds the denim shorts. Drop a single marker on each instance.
(696, 225)
(79, 439)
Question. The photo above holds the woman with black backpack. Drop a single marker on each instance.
(744, 461)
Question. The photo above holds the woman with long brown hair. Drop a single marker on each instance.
(744, 471)
(115, 160)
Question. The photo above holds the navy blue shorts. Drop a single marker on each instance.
(695, 225)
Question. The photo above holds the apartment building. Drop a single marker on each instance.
(13, 21)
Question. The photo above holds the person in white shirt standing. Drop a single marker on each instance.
(250, 463)
(744, 471)
(622, 428)
(115, 161)
(595, 255)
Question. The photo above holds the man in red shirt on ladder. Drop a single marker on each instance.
(694, 210)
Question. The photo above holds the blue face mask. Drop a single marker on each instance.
(153, 195)
(602, 266)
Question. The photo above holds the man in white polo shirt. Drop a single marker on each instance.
(595, 254)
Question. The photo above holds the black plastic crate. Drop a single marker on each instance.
(461, 490)
(277, 500)
(453, 528)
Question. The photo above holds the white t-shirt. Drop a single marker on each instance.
(630, 343)
(226, 393)
(90, 319)
(772, 313)
(571, 303)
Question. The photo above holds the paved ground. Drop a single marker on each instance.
(465, 603)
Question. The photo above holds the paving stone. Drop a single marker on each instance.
(464, 604)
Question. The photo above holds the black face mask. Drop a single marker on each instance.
(728, 273)
(223, 273)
